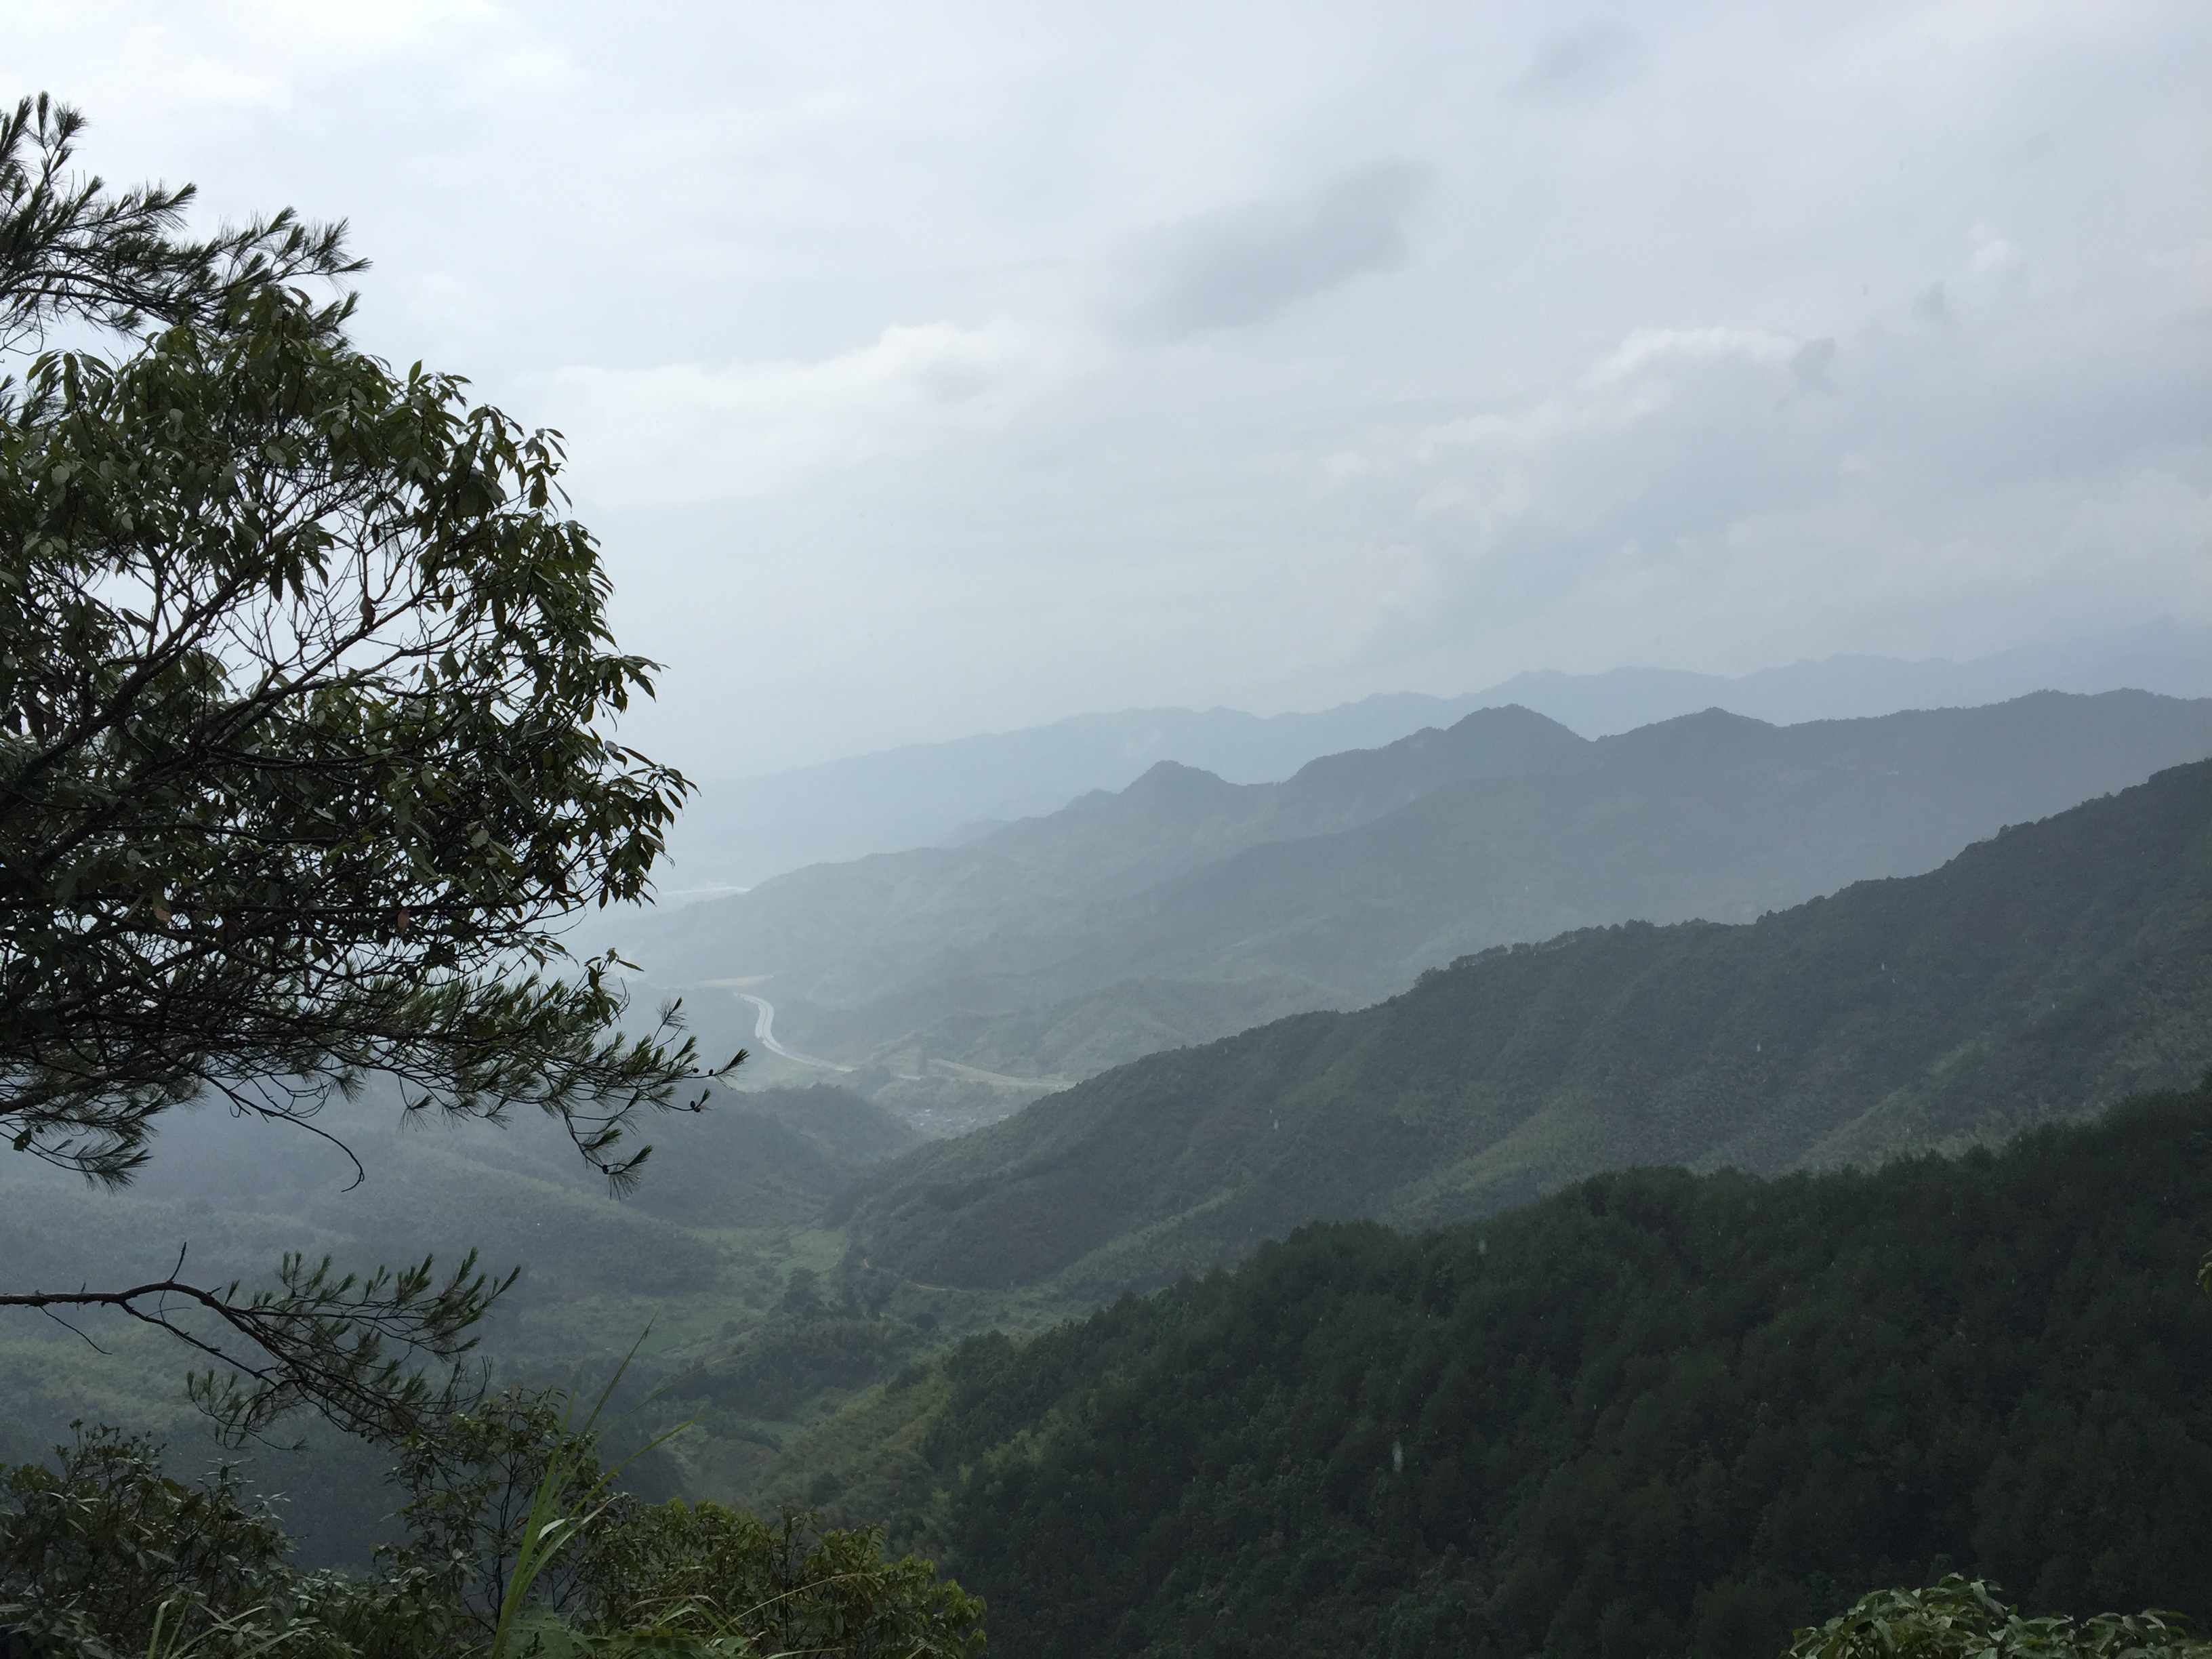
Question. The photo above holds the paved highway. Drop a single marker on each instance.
(764, 1034)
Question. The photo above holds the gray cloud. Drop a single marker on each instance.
(1243, 266)
(1583, 62)
(1812, 363)
(861, 351)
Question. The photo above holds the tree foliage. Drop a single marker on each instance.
(306, 687)
(1959, 1618)
(716, 1576)
(71, 251)
(299, 748)
(469, 1479)
(351, 1348)
(106, 1553)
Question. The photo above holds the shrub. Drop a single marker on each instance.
(1962, 1619)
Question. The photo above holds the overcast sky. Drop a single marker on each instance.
(930, 367)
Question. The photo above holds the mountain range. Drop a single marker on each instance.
(2037, 975)
(738, 831)
(1186, 908)
(792, 1246)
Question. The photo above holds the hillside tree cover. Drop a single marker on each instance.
(1654, 1413)
(106, 1553)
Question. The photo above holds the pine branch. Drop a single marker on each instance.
(357, 1351)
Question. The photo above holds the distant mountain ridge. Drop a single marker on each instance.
(1186, 908)
(2168, 658)
(738, 832)
(744, 831)
(2037, 976)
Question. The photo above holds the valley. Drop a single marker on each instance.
(2040, 974)
(798, 1244)
(813, 1259)
(1207, 834)
(1186, 908)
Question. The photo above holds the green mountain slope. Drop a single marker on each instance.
(1048, 950)
(706, 1252)
(1654, 1413)
(2040, 974)
(768, 1157)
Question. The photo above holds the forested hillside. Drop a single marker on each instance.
(1186, 908)
(1656, 1413)
(2039, 974)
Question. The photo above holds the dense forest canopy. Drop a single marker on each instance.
(1655, 1413)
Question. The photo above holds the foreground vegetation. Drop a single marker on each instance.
(1956, 1618)
(1654, 1413)
(516, 1544)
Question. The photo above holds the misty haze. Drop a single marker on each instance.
(896, 830)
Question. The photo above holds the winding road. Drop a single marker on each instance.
(764, 1034)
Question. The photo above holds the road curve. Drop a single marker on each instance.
(764, 1034)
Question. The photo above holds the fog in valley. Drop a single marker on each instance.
(1450, 771)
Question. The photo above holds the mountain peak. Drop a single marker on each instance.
(1172, 781)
